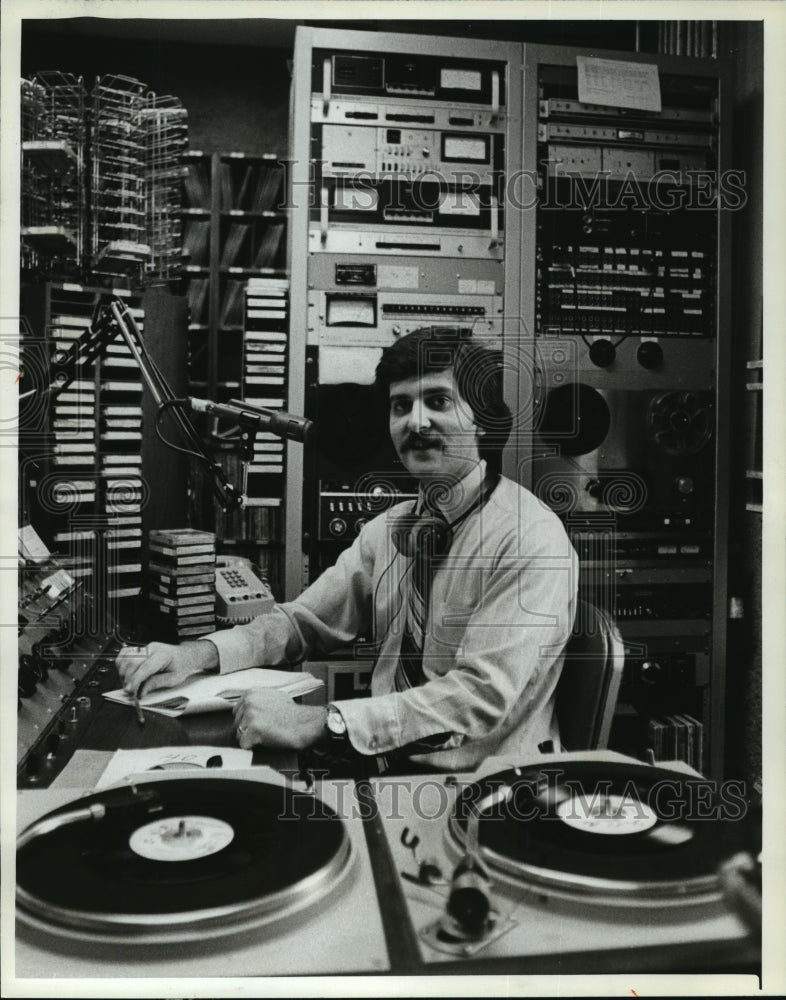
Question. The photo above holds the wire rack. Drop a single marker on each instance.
(53, 173)
(102, 179)
(165, 125)
(117, 212)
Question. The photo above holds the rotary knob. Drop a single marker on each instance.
(684, 485)
(602, 353)
(650, 671)
(33, 767)
(650, 354)
(46, 661)
(359, 524)
(337, 526)
(52, 745)
(27, 678)
(595, 488)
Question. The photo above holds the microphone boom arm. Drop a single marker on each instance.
(115, 318)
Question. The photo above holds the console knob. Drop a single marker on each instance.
(650, 671)
(684, 485)
(41, 663)
(27, 679)
(650, 354)
(337, 526)
(361, 521)
(52, 745)
(595, 488)
(33, 767)
(468, 902)
(602, 353)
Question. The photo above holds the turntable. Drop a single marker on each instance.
(576, 853)
(195, 877)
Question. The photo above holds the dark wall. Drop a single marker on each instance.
(236, 96)
(745, 46)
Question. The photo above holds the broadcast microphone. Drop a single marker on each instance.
(285, 425)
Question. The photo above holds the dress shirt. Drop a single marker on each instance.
(502, 607)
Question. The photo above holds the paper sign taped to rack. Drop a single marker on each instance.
(618, 83)
(348, 364)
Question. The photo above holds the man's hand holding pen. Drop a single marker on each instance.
(263, 716)
(160, 665)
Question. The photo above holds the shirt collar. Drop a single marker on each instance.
(462, 496)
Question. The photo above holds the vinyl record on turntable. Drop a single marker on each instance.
(178, 860)
(605, 831)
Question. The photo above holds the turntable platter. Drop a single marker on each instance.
(629, 832)
(178, 859)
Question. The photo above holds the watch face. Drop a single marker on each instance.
(335, 722)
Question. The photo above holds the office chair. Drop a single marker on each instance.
(588, 687)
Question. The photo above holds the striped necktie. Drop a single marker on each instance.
(409, 671)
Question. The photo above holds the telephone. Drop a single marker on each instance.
(240, 594)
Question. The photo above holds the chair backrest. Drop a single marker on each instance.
(588, 687)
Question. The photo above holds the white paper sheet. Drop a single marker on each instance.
(618, 83)
(125, 763)
(218, 692)
(348, 364)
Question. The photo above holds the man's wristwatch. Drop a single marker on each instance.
(335, 726)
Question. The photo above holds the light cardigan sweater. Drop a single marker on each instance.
(502, 608)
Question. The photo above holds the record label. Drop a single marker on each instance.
(610, 815)
(181, 838)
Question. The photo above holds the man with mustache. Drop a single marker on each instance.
(469, 594)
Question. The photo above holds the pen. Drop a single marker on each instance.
(140, 715)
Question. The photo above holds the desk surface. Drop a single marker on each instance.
(104, 725)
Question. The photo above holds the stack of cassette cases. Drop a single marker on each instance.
(53, 174)
(120, 444)
(119, 246)
(94, 485)
(165, 126)
(69, 491)
(265, 339)
(182, 576)
(91, 489)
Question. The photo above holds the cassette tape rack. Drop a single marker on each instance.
(233, 231)
(86, 492)
(233, 234)
(257, 527)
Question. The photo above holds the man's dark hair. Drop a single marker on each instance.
(477, 370)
